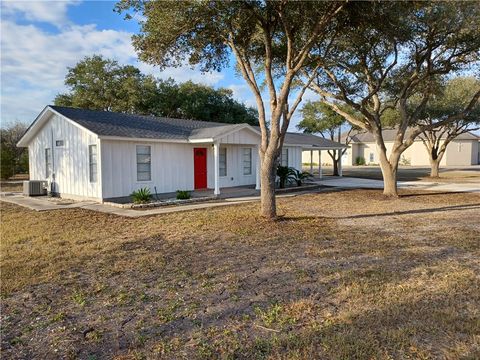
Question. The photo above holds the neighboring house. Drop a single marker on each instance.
(464, 150)
(102, 155)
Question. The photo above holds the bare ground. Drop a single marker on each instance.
(343, 275)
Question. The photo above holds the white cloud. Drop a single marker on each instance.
(34, 63)
(52, 12)
(243, 93)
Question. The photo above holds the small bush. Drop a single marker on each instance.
(183, 194)
(405, 161)
(285, 175)
(359, 160)
(141, 196)
(300, 176)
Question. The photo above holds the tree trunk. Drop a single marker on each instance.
(389, 179)
(267, 192)
(335, 163)
(389, 171)
(434, 168)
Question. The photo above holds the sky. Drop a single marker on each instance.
(41, 39)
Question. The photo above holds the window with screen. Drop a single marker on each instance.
(284, 157)
(223, 161)
(247, 161)
(144, 163)
(92, 162)
(48, 162)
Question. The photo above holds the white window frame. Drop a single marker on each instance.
(92, 165)
(222, 170)
(284, 157)
(137, 163)
(62, 143)
(372, 157)
(247, 161)
(48, 162)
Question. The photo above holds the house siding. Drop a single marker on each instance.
(70, 162)
(458, 153)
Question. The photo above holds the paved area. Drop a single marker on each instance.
(411, 173)
(360, 183)
(44, 204)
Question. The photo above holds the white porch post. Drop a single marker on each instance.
(216, 161)
(320, 175)
(311, 162)
(257, 169)
(340, 170)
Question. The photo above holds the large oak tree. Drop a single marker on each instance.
(272, 41)
(453, 96)
(392, 56)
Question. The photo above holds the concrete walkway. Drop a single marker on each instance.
(44, 204)
(358, 183)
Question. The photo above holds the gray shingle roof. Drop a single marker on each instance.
(106, 123)
(389, 135)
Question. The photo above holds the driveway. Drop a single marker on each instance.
(360, 183)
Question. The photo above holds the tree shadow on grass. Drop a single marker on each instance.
(393, 213)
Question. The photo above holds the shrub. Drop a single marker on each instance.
(183, 194)
(285, 175)
(405, 161)
(300, 176)
(141, 196)
(359, 160)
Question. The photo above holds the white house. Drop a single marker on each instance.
(103, 156)
(462, 151)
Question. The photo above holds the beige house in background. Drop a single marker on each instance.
(462, 151)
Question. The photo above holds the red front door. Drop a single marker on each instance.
(200, 168)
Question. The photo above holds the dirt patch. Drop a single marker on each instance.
(345, 274)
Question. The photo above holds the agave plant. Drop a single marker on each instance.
(141, 196)
(285, 175)
(301, 176)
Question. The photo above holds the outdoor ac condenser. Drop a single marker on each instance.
(35, 187)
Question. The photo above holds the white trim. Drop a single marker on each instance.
(216, 166)
(246, 126)
(40, 121)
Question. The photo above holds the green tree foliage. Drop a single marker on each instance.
(390, 57)
(320, 118)
(97, 83)
(270, 40)
(14, 160)
(196, 101)
(102, 84)
(451, 98)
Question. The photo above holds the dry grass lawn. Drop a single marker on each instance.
(344, 275)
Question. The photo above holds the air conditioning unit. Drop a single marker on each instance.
(35, 187)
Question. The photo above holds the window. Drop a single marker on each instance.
(92, 162)
(372, 157)
(59, 143)
(284, 157)
(48, 162)
(247, 161)
(144, 163)
(223, 161)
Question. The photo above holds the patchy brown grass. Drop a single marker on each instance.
(343, 275)
(6, 186)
